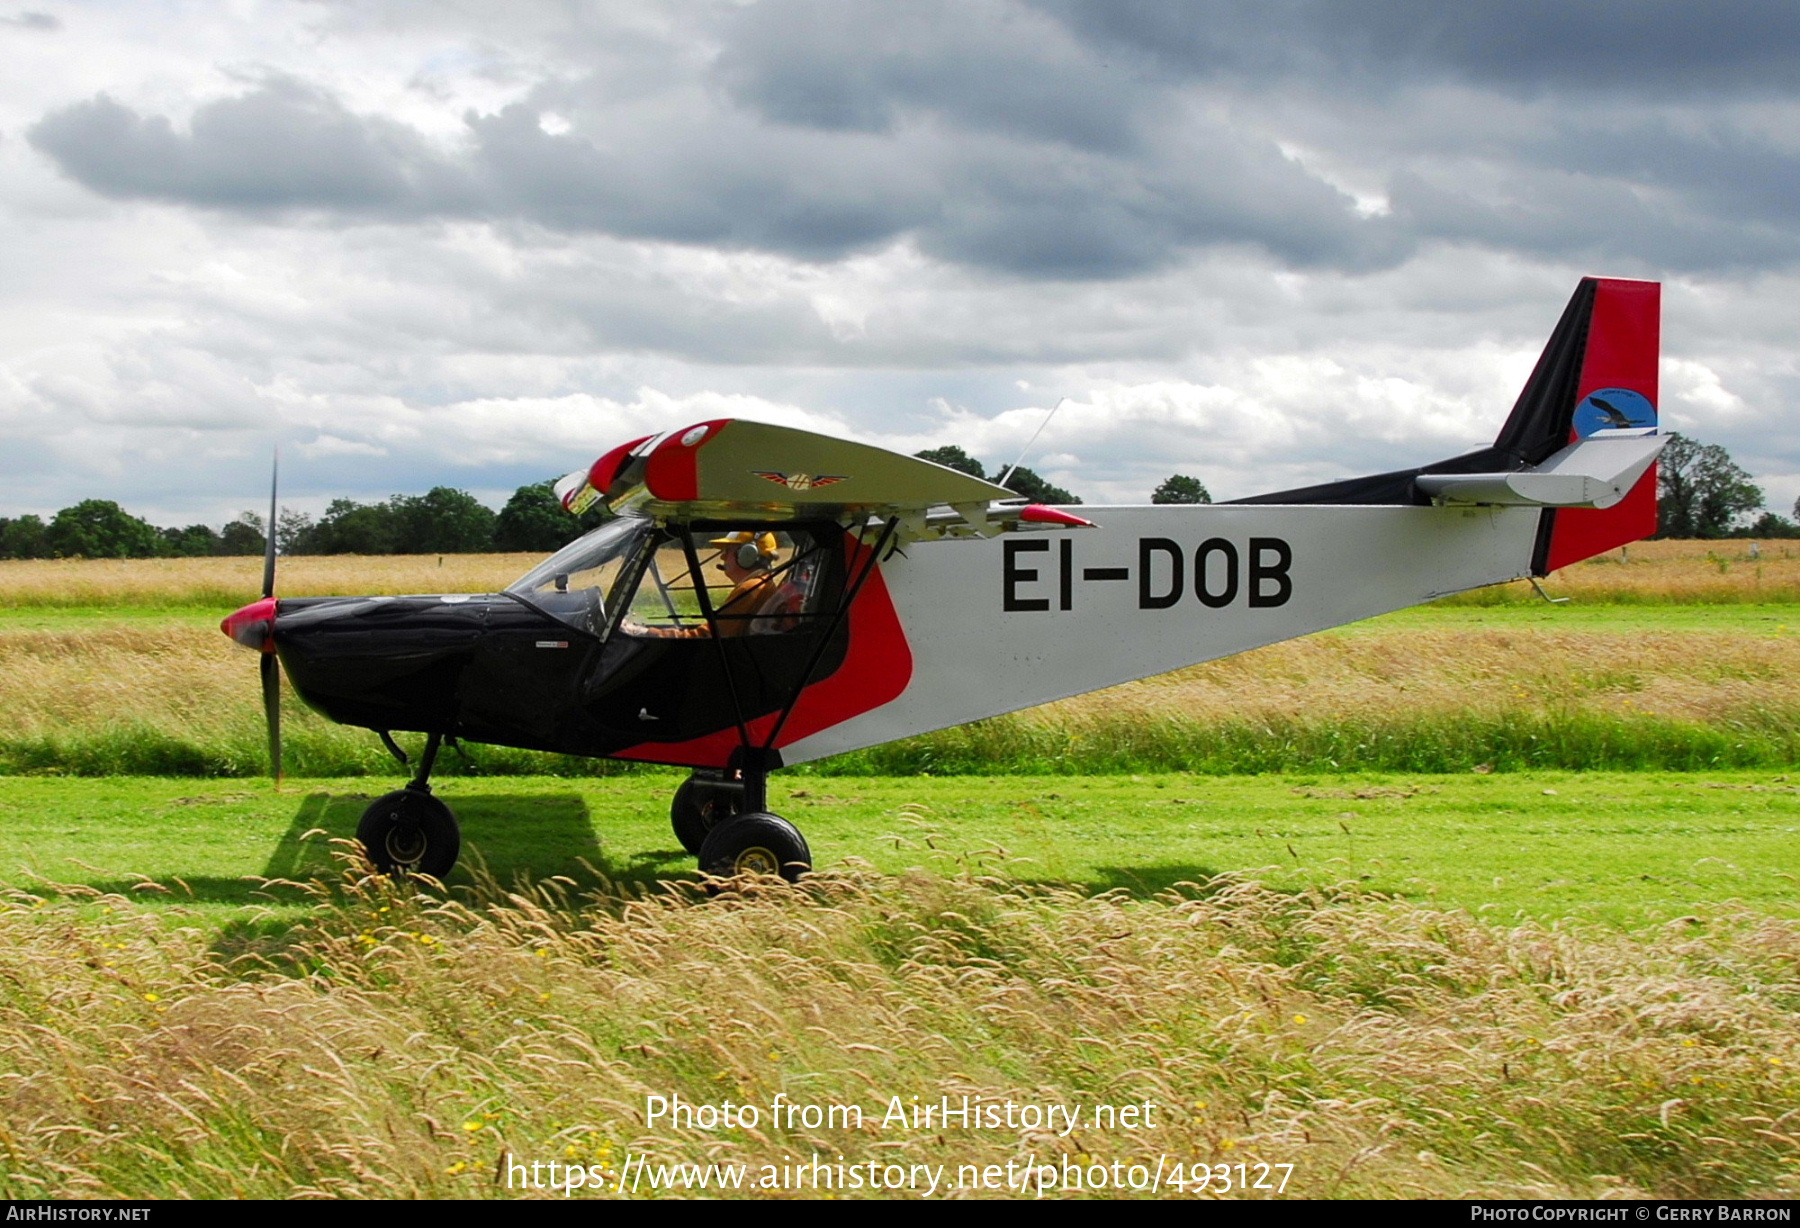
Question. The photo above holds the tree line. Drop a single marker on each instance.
(1702, 492)
(441, 521)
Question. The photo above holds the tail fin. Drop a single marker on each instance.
(1597, 373)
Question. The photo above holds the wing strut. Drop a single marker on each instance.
(837, 618)
(712, 629)
(752, 762)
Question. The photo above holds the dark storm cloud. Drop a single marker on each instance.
(1648, 46)
(1717, 169)
(983, 66)
(1659, 192)
(1063, 139)
(1653, 47)
(282, 146)
(1029, 209)
(1547, 213)
(802, 193)
(980, 199)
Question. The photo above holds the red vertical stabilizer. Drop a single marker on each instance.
(1623, 345)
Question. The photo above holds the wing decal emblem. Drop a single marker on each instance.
(799, 481)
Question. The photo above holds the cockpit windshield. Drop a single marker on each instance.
(576, 583)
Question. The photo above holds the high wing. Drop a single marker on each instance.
(729, 467)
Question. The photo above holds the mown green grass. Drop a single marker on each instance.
(1746, 618)
(1624, 848)
(1508, 742)
(94, 617)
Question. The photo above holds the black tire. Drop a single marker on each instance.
(696, 810)
(755, 843)
(409, 832)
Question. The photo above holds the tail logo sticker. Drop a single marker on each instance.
(1612, 409)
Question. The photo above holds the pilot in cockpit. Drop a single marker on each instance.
(759, 602)
(748, 560)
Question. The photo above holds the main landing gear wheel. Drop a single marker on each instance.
(409, 831)
(756, 843)
(696, 810)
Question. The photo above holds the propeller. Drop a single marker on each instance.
(254, 627)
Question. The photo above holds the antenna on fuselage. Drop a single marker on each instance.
(1001, 480)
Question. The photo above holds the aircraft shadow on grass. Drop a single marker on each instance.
(511, 837)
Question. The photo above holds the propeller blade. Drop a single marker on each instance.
(269, 550)
(271, 689)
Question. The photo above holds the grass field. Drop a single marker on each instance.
(196, 1036)
(1638, 671)
(1461, 976)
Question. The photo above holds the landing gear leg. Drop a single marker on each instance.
(753, 841)
(409, 831)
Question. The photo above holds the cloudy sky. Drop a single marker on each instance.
(477, 244)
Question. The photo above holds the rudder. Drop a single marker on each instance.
(1598, 373)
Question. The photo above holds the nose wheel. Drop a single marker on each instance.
(410, 832)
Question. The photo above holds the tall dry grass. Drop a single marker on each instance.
(183, 700)
(1419, 700)
(162, 699)
(176, 699)
(403, 1046)
(1726, 572)
(227, 583)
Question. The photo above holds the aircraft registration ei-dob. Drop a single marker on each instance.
(764, 596)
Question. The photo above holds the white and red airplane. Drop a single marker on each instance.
(764, 596)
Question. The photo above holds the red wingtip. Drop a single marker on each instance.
(606, 470)
(1037, 513)
(672, 473)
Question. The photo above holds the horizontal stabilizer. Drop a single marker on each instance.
(1597, 472)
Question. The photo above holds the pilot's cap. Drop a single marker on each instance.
(746, 542)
